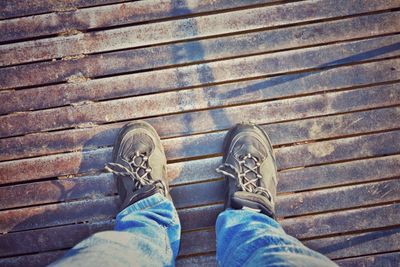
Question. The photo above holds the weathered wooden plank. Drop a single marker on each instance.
(200, 171)
(111, 15)
(50, 143)
(197, 261)
(339, 174)
(338, 198)
(56, 191)
(211, 49)
(206, 194)
(304, 130)
(186, 76)
(201, 247)
(309, 226)
(96, 186)
(333, 247)
(74, 162)
(387, 259)
(114, 110)
(200, 217)
(314, 153)
(300, 203)
(357, 244)
(190, 196)
(45, 258)
(162, 32)
(350, 220)
(342, 198)
(90, 210)
(20, 243)
(178, 173)
(15, 8)
(59, 214)
(36, 260)
(49, 238)
(33, 260)
(205, 242)
(341, 149)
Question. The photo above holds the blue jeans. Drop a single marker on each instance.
(147, 233)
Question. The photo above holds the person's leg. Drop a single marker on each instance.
(147, 233)
(247, 234)
(147, 230)
(248, 238)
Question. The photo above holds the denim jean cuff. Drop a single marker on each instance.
(145, 203)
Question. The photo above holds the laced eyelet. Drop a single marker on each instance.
(246, 183)
(139, 172)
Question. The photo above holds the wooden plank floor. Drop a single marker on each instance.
(322, 78)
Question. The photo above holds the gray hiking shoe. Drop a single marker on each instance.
(139, 163)
(250, 170)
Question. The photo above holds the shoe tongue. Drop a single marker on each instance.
(251, 146)
(139, 143)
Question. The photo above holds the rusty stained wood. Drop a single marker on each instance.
(357, 244)
(300, 203)
(59, 214)
(89, 138)
(195, 51)
(310, 226)
(350, 220)
(305, 203)
(50, 238)
(387, 259)
(333, 247)
(305, 130)
(205, 239)
(368, 191)
(16, 8)
(57, 190)
(195, 75)
(188, 172)
(339, 174)
(338, 198)
(144, 106)
(197, 261)
(33, 260)
(80, 162)
(45, 258)
(75, 162)
(124, 109)
(212, 192)
(161, 32)
(111, 15)
(340, 149)
(187, 196)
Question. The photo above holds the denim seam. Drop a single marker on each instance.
(136, 206)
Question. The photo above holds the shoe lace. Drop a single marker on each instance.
(241, 174)
(138, 170)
